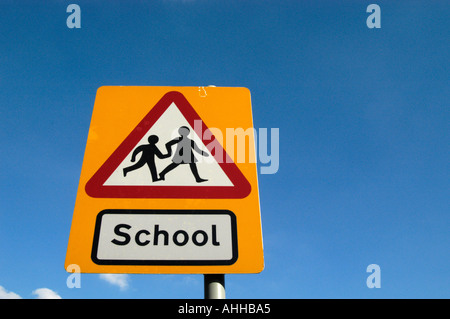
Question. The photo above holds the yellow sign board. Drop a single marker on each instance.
(168, 184)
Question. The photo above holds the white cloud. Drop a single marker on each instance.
(8, 295)
(41, 293)
(120, 280)
(45, 293)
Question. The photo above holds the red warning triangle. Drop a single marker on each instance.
(237, 187)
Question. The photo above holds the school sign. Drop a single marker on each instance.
(161, 189)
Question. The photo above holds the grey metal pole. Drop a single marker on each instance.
(214, 286)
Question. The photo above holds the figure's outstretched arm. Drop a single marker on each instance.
(158, 153)
(198, 150)
(161, 155)
(169, 146)
(136, 152)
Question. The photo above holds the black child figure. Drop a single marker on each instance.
(148, 157)
(184, 154)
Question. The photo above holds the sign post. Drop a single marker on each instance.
(214, 286)
(169, 185)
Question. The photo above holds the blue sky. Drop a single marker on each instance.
(363, 116)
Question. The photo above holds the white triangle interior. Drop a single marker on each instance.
(166, 128)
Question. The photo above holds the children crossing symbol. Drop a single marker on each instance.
(179, 166)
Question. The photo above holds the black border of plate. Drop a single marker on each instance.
(166, 262)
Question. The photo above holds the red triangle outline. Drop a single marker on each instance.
(94, 187)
